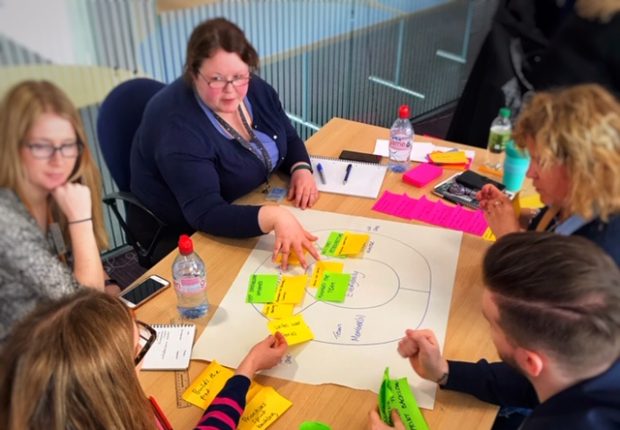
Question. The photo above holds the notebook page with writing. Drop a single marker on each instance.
(365, 179)
(172, 348)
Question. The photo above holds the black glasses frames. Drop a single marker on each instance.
(148, 335)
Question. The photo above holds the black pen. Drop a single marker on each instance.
(346, 175)
(321, 175)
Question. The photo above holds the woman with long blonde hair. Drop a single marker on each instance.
(573, 137)
(72, 364)
(50, 201)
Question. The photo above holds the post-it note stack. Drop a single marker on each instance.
(450, 159)
(422, 174)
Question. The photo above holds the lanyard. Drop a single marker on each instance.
(261, 153)
(565, 228)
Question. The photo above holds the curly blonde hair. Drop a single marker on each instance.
(578, 127)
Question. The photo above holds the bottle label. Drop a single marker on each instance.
(400, 142)
(190, 285)
(497, 141)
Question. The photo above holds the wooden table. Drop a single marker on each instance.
(340, 407)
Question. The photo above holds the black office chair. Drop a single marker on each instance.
(119, 117)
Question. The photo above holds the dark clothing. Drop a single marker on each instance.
(590, 404)
(533, 45)
(188, 173)
(226, 409)
(604, 234)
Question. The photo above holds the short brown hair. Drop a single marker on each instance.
(214, 34)
(557, 293)
(578, 127)
(70, 364)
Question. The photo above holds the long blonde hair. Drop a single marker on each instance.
(19, 109)
(578, 127)
(70, 365)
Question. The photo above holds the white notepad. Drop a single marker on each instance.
(365, 179)
(172, 348)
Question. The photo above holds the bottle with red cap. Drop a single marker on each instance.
(190, 280)
(401, 139)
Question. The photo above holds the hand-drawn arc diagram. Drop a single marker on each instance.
(378, 292)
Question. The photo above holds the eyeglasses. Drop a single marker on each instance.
(220, 83)
(147, 338)
(44, 151)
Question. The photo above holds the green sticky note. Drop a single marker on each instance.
(262, 288)
(333, 244)
(396, 394)
(333, 287)
(314, 425)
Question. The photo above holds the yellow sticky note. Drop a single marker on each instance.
(292, 289)
(324, 266)
(451, 157)
(293, 260)
(294, 329)
(278, 311)
(208, 384)
(352, 243)
(488, 235)
(531, 202)
(263, 410)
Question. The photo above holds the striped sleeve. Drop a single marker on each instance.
(226, 409)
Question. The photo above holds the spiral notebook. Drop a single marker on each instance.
(365, 179)
(172, 348)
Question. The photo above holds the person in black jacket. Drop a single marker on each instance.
(553, 306)
(533, 46)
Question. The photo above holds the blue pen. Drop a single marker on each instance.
(321, 175)
(346, 175)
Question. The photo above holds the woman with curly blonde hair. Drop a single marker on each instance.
(573, 137)
(50, 201)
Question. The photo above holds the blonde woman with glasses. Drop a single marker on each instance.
(73, 363)
(50, 203)
(573, 137)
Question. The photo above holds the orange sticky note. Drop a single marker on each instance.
(293, 259)
(292, 289)
(321, 267)
(264, 409)
(352, 243)
(278, 311)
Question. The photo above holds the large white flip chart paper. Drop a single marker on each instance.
(404, 280)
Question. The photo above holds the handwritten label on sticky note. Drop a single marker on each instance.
(262, 288)
(292, 289)
(334, 287)
(275, 311)
(333, 243)
(396, 394)
(324, 266)
(263, 410)
(208, 384)
(352, 243)
(450, 157)
(294, 329)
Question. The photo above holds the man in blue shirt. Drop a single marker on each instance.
(553, 307)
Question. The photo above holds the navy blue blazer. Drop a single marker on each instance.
(186, 172)
(590, 404)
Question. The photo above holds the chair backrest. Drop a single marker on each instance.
(119, 117)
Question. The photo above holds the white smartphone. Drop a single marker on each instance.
(147, 289)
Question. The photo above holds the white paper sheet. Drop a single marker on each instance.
(404, 280)
(419, 150)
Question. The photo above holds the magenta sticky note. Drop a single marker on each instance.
(422, 174)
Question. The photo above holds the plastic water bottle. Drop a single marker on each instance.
(190, 280)
(401, 139)
(499, 135)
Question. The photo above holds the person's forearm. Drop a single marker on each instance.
(267, 216)
(87, 267)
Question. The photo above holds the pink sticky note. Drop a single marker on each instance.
(422, 174)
